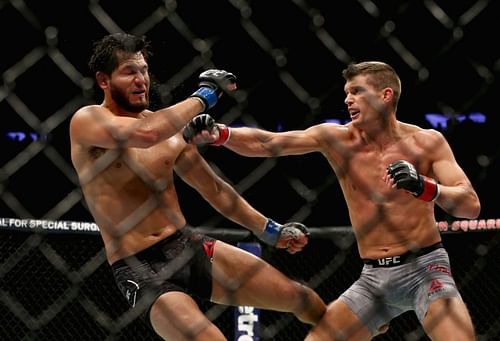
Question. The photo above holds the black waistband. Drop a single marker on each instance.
(407, 257)
(151, 251)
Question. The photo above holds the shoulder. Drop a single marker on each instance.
(429, 136)
(145, 113)
(418, 131)
(328, 129)
(324, 134)
(426, 138)
(88, 119)
(87, 112)
(89, 108)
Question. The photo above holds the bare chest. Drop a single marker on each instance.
(366, 168)
(137, 164)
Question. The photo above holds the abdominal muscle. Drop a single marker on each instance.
(139, 237)
(393, 229)
(132, 221)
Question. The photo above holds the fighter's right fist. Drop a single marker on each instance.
(202, 129)
(212, 84)
(292, 236)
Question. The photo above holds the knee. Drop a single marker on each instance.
(303, 294)
(449, 316)
(309, 303)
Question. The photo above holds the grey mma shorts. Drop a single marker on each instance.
(382, 293)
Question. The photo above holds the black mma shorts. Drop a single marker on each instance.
(180, 262)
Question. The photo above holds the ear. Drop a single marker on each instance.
(388, 94)
(102, 79)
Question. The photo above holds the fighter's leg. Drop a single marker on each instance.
(447, 316)
(339, 323)
(241, 278)
(176, 316)
(448, 319)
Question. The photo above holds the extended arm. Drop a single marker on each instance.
(251, 141)
(195, 171)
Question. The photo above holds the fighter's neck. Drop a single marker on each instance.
(118, 110)
(382, 134)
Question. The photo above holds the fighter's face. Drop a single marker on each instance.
(364, 102)
(129, 83)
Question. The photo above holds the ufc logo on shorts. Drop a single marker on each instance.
(387, 261)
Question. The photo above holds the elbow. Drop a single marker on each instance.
(137, 138)
(151, 138)
(471, 210)
(475, 210)
(145, 139)
(474, 206)
(467, 207)
(266, 149)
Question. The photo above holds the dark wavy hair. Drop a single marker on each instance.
(106, 52)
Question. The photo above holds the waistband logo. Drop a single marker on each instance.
(389, 261)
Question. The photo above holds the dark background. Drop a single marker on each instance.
(288, 56)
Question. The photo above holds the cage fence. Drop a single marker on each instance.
(57, 285)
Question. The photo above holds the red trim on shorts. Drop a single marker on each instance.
(208, 247)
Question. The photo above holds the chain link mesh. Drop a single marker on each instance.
(287, 55)
(58, 285)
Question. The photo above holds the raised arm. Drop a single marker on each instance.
(111, 131)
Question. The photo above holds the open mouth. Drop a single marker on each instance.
(354, 113)
(139, 93)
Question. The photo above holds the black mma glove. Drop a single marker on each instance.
(281, 236)
(206, 122)
(405, 176)
(212, 84)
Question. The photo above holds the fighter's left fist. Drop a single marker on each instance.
(212, 84)
(218, 80)
(405, 176)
